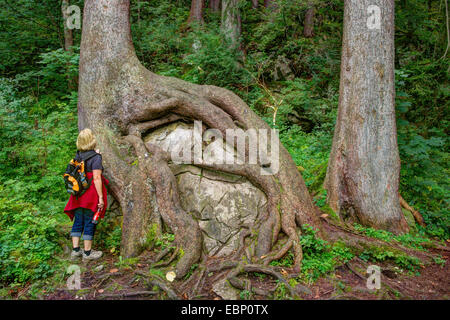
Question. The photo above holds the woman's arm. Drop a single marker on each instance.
(98, 186)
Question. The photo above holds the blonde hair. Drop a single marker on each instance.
(86, 140)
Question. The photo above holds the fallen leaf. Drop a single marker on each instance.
(324, 215)
(185, 296)
(100, 290)
(338, 276)
(140, 265)
(114, 270)
(216, 298)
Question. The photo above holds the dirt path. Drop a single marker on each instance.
(105, 280)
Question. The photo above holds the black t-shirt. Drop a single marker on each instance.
(94, 163)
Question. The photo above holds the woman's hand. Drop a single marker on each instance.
(101, 203)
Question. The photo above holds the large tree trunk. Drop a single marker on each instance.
(120, 101)
(363, 172)
(196, 13)
(231, 22)
(308, 25)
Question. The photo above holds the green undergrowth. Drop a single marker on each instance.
(384, 253)
(321, 257)
(410, 240)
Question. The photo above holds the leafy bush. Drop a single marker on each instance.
(320, 257)
(375, 253)
(36, 142)
(210, 61)
(424, 175)
(310, 153)
(28, 241)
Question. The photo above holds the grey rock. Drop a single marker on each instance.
(282, 70)
(224, 290)
(222, 203)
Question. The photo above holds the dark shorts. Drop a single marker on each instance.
(82, 224)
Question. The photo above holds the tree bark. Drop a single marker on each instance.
(68, 34)
(68, 42)
(308, 26)
(120, 101)
(255, 4)
(363, 172)
(196, 13)
(231, 22)
(214, 5)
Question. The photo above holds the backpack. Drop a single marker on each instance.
(75, 178)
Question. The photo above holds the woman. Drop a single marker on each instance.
(84, 207)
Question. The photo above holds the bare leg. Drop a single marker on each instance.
(75, 242)
(87, 245)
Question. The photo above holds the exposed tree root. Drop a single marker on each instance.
(246, 284)
(128, 294)
(284, 209)
(153, 281)
(417, 216)
(194, 290)
(354, 271)
(361, 242)
(161, 254)
(169, 261)
(186, 230)
(239, 268)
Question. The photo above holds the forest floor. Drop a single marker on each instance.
(109, 278)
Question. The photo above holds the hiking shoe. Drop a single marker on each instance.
(74, 254)
(94, 255)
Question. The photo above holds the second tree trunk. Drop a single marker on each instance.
(363, 172)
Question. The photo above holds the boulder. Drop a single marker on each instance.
(221, 203)
(224, 290)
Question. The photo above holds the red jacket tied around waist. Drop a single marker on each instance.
(89, 199)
